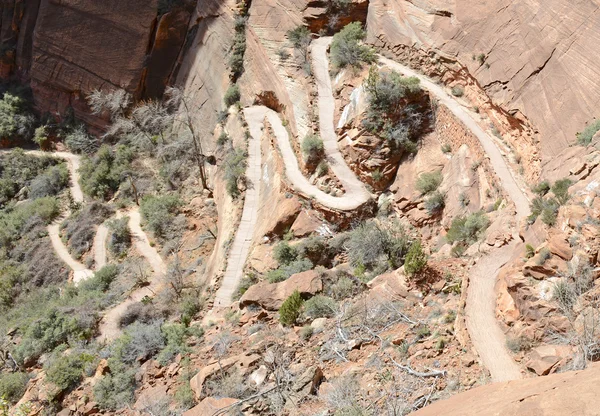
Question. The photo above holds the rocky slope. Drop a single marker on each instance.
(491, 48)
(560, 394)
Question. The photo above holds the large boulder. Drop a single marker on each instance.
(210, 406)
(543, 359)
(558, 244)
(571, 393)
(270, 296)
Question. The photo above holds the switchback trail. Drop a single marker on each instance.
(109, 326)
(243, 235)
(484, 329)
(355, 195)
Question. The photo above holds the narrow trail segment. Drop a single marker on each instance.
(243, 235)
(99, 247)
(484, 329)
(80, 272)
(356, 193)
(109, 326)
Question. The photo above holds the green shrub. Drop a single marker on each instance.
(546, 207)
(541, 188)
(222, 139)
(160, 213)
(235, 170)
(416, 259)
(50, 183)
(47, 175)
(429, 182)
(458, 91)
(79, 141)
(285, 271)
(48, 332)
(320, 306)
(16, 119)
(346, 49)
(543, 256)
(468, 229)
(119, 239)
(306, 332)
(299, 37)
(585, 137)
(377, 245)
(102, 279)
(313, 148)
(13, 222)
(13, 386)
(101, 175)
(396, 108)
(175, 336)
(67, 371)
(290, 309)
(116, 389)
(232, 95)
(446, 148)
(529, 251)
(560, 189)
(284, 253)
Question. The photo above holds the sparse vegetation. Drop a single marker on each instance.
(232, 95)
(541, 188)
(300, 38)
(13, 385)
(320, 306)
(585, 137)
(429, 182)
(396, 108)
(458, 91)
(160, 213)
(468, 229)
(102, 174)
(80, 228)
(560, 189)
(543, 256)
(347, 50)
(529, 251)
(313, 148)
(235, 170)
(377, 245)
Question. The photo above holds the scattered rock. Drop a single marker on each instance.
(210, 406)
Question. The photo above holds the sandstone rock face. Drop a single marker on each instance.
(555, 395)
(271, 295)
(524, 77)
(69, 48)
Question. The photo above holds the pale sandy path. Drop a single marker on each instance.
(80, 272)
(484, 329)
(99, 248)
(352, 185)
(109, 326)
(243, 235)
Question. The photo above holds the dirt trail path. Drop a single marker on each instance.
(243, 235)
(99, 247)
(109, 326)
(484, 329)
(356, 193)
(80, 272)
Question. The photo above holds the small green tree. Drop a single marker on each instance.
(232, 95)
(560, 189)
(290, 309)
(313, 148)
(346, 49)
(416, 259)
